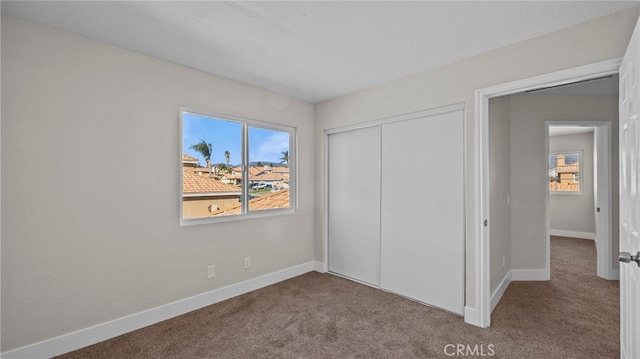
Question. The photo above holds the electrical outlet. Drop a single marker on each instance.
(504, 261)
(211, 271)
(247, 262)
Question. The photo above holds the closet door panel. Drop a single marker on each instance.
(354, 204)
(422, 228)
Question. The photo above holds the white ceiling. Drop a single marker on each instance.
(312, 50)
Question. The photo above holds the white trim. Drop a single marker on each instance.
(319, 267)
(482, 210)
(97, 333)
(471, 316)
(499, 292)
(325, 204)
(603, 154)
(572, 234)
(530, 275)
(481, 125)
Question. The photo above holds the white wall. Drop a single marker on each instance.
(529, 172)
(602, 39)
(90, 186)
(500, 189)
(574, 212)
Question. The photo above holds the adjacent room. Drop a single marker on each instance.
(318, 179)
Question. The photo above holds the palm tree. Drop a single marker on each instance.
(285, 157)
(205, 150)
(227, 155)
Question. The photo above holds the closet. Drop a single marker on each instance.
(396, 205)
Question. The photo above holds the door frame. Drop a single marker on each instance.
(602, 139)
(482, 315)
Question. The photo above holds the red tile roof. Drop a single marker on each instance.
(232, 176)
(279, 169)
(268, 177)
(187, 158)
(193, 183)
(254, 171)
(279, 199)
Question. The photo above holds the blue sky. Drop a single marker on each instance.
(264, 145)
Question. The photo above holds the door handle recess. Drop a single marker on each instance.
(626, 257)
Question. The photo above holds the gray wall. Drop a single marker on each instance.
(574, 212)
(500, 189)
(90, 185)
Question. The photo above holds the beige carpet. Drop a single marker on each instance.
(575, 315)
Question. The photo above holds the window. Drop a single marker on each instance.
(564, 172)
(233, 168)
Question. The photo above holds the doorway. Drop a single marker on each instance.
(580, 195)
(538, 257)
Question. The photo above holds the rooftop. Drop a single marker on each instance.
(279, 199)
(194, 183)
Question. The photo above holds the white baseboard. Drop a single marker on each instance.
(319, 267)
(88, 336)
(471, 316)
(615, 274)
(530, 275)
(497, 294)
(572, 234)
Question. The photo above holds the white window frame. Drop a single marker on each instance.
(246, 124)
(580, 171)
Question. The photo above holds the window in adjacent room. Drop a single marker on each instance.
(564, 172)
(234, 168)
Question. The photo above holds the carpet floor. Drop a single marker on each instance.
(575, 315)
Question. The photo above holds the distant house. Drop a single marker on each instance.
(277, 169)
(201, 194)
(566, 176)
(234, 178)
(276, 177)
(273, 180)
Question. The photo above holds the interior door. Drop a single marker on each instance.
(422, 228)
(629, 199)
(354, 204)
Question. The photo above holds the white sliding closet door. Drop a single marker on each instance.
(354, 204)
(422, 228)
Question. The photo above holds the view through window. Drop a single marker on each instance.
(219, 180)
(564, 172)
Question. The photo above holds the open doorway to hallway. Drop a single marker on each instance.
(519, 176)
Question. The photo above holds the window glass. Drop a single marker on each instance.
(269, 177)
